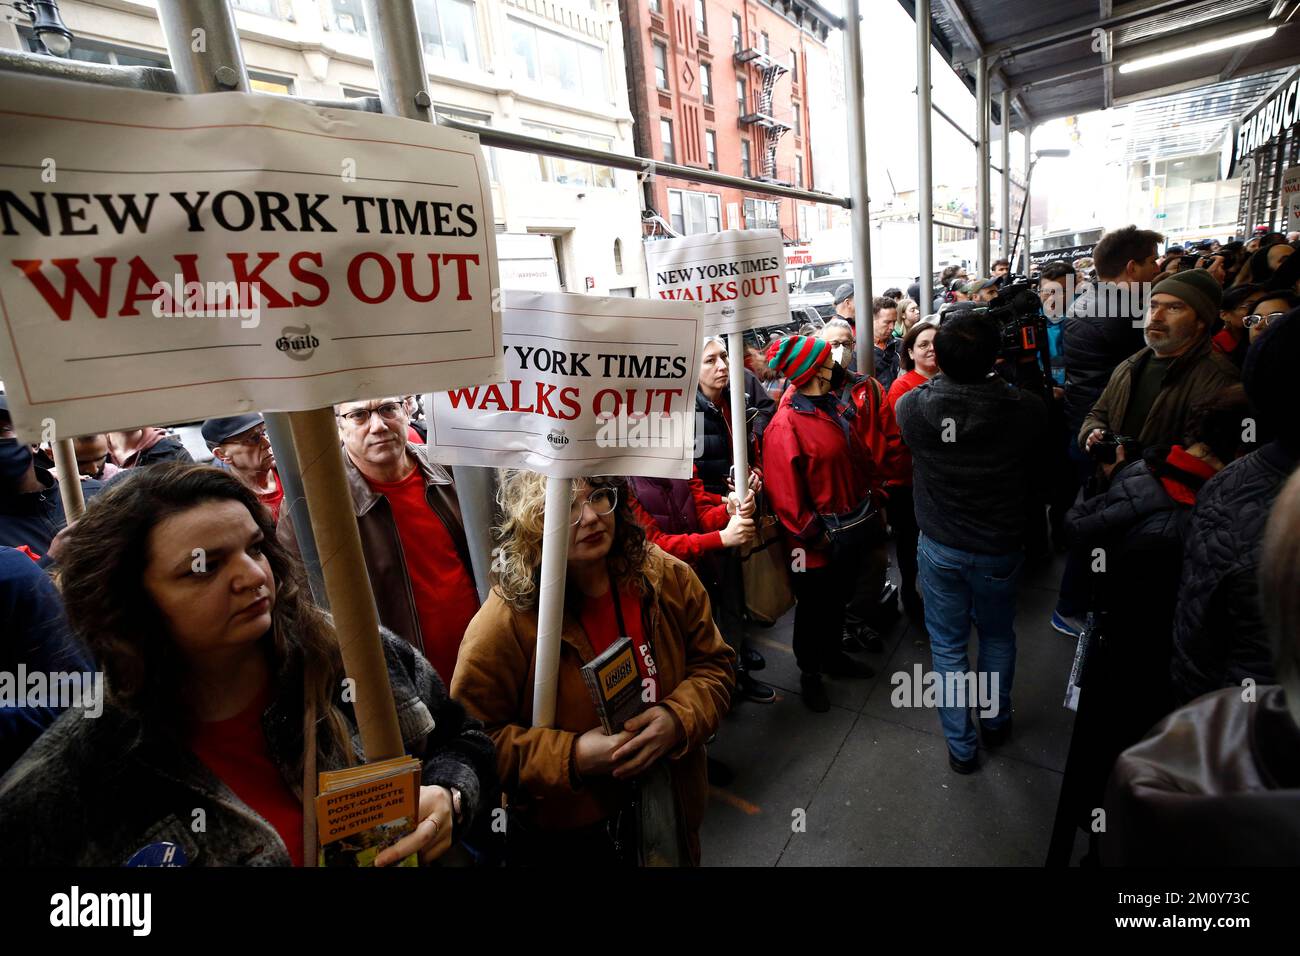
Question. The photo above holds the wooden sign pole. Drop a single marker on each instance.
(74, 501)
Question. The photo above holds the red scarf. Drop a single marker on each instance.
(1190, 464)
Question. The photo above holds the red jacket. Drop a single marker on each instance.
(815, 465)
(879, 430)
(711, 517)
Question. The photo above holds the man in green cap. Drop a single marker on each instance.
(1150, 394)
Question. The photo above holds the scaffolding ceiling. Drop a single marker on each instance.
(1065, 57)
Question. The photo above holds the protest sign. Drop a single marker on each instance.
(173, 258)
(594, 386)
(1291, 197)
(739, 275)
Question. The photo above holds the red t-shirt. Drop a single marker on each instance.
(274, 499)
(600, 623)
(445, 597)
(235, 750)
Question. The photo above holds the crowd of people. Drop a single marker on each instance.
(1151, 440)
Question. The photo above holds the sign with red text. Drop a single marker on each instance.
(1291, 198)
(594, 386)
(171, 258)
(739, 276)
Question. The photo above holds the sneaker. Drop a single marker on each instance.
(995, 736)
(752, 659)
(754, 690)
(861, 639)
(814, 693)
(1069, 626)
(963, 766)
(845, 666)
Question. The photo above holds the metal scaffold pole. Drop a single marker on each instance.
(925, 172)
(860, 213)
(1005, 245)
(982, 183)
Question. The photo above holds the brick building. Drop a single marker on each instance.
(724, 84)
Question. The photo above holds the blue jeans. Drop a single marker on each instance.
(961, 587)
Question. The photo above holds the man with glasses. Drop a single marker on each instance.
(412, 533)
(240, 445)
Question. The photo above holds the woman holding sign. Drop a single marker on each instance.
(218, 667)
(576, 792)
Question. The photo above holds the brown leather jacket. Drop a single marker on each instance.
(381, 545)
(494, 681)
(1217, 783)
(1193, 376)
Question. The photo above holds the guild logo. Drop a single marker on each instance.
(297, 342)
(728, 311)
(557, 438)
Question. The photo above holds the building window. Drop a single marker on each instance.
(764, 45)
(692, 212)
(449, 29)
(89, 51)
(711, 148)
(661, 66)
(265, 8)
(618, 257)
(798, 171)
(742, 95)
(794, 66)
(269, 83)
(762, 214)
(348, 17)
(736, 32)
(666, 139)
(796, 115)
(701, 21)
(572, 172)
(706, 83)
(441, 113)
(801, 221)
(656, 6)
(557, 63)
(746, 168)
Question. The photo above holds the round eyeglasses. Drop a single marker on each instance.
(602, 502)
(1260, 319)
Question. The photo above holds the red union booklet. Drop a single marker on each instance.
(363, 810)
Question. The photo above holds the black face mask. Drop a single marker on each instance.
(838, 376)
(15, 459)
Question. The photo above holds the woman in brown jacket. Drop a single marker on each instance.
(568, 784)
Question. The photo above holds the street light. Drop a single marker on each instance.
(52, 35)
(1029, 175)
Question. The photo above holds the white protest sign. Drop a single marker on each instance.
(1291, 197)
(170, 258)
(594, 386)
(739, 275)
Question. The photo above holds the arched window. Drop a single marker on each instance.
(618, 257)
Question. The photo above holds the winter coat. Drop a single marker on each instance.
(816, 465)
(886, 362)
(1096, 336)
(1192, 377)
(93, 792)
(1215, 784)
(35, 518)
(714, 460)
(155, 446)
(681, 517)
(1219, 633)
(37, 637)
(495, 676)
(979, 453)
(875, 421)
(382, 546)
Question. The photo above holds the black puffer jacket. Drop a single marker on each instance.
(1096, 336)
(1219, 634)
(714, 458)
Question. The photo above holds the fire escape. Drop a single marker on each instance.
(768, 130)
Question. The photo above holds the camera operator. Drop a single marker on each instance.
(977, 450)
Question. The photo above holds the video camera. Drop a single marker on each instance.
(1018, 312)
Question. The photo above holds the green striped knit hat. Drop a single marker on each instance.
(798, 357)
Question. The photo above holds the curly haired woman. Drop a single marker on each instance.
(223, 686)
(570, 786)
